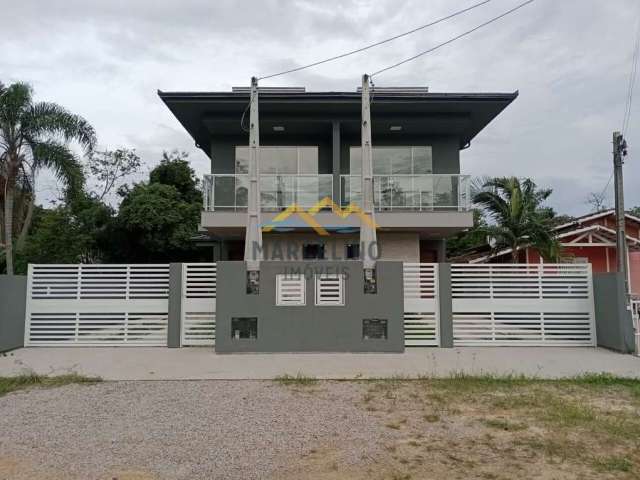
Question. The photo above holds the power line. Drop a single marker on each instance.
(452, 39)
(632, 81)
(381, 42)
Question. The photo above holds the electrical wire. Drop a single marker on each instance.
(632, 82)
(451, 40)
(381, 42)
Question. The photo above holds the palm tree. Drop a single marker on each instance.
(519, 218)
(34, 135)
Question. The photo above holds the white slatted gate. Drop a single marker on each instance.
(523, 304)
(80, 305)
(199, 281)
(421, 311)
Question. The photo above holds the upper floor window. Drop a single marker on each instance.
(280, 160)
(414, 160)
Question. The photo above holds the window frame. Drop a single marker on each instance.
(391, 174)
(299, 156)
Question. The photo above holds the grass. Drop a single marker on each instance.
(588, 424)
(507, 426)
(21, 382)
(299, 380)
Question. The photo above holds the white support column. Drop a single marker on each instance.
(253, 237)
(368, 239)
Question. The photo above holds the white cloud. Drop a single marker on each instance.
(569, 60)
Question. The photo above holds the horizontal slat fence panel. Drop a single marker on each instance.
(97, 305)
(421, 311)
(523, 304)
(199, 287)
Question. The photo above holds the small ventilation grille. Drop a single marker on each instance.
(290, 290)
(329, 289)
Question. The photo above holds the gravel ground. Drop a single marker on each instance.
(180, 430)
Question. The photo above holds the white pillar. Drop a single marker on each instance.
(253, 237)
(367, 231)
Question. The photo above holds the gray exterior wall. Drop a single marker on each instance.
(13, 292)
(614, 325)
(310, 328)
(174, 318)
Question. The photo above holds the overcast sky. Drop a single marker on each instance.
(570, 60)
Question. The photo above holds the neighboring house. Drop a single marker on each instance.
(587, 239)
(310, 150)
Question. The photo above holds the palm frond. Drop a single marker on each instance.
(59, 158)
(46, 119)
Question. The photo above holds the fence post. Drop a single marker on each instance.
(174, 327)
(445, 304)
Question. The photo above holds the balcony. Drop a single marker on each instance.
(430, 192)
(408, 193)
(229, 192)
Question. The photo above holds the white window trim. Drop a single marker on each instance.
(341, 285)
(283, 301)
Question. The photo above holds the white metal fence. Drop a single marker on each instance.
(523, 304)
(97, 305)
(199, 282)
(421, 311)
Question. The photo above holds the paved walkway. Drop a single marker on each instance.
(132, 363)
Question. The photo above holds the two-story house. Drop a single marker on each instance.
(310, 151)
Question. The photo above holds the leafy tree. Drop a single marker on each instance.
(111, 167)
(516, 208)
(157, 221)
(174, 170)
(635, 211)
(70, 233)
(33, 135)
(155, 224)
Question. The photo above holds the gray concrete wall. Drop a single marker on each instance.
(174, 320)
(13, 291)
(309, 328)
(614, 325)
(445, 304)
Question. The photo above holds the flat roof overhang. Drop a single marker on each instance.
(208, 114)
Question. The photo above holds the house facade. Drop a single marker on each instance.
(310, 146)
(590, 239)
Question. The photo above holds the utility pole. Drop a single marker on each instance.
(619, 152)
(368, 241)
(253, 236)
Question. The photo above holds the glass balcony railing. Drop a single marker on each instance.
(410, 192)
(277, 192)
(429, 192)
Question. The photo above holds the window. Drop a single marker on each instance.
(352, 251)
(374, 329)
(290, 289)
(280, 160)
(330, 289)
(244, 328)
(400, 160)
(313, 251)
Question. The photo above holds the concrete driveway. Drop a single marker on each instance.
(158, 363)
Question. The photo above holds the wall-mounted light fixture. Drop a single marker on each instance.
(278, 128)
(395, 128)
